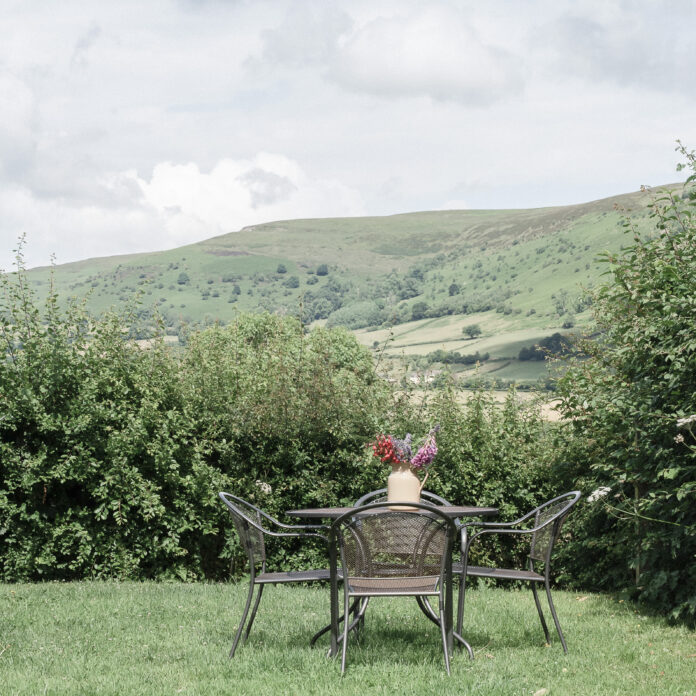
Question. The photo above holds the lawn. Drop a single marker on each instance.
(156, 638)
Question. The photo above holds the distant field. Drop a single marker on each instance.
(503, 345)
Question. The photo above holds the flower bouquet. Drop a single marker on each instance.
(403, 483)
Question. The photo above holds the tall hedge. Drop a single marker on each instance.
(112, 451)
(623, 400)
(100, 475)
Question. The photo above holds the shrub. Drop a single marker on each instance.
(99, 476)
(111, 453)
(623, 400)
(472, 330)
(356, 315)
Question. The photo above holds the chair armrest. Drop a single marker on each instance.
(300, 534)
(283, 525)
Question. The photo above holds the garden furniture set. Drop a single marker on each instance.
(382, 548)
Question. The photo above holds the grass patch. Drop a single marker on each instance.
(136, 638)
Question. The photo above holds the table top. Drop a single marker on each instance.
(332, 513)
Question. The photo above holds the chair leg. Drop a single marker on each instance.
(354, 609)
(253, 612)
(445, 630)
(244, 615)
(346, 630)
(460, 602)
(555, 618)
(541, 614)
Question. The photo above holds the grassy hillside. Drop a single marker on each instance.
(518, 273)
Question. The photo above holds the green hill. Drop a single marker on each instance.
(517, 273)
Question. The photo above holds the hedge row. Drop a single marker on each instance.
(112, 453)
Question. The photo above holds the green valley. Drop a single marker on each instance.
(414, 281)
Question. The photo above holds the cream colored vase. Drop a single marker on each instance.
(404, 486)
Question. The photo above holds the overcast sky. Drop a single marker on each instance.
(142, 125)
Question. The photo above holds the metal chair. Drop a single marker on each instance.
(383, 552)
(547, 521)
(380, 496)
(251, 524)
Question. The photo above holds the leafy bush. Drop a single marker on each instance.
(357, 315)
(99, 474)
(111, 453)
(623, 400)
(286, 412)
(552, 346)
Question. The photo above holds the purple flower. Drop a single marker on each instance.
(390, 449)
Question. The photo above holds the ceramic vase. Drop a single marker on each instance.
(403, 486)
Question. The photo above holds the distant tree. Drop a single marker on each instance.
(454, 289)
(281, 268)
(419, 310)
(183, 279)
(568, 321)
(292, 282)
(472, 330)
(236, 289)
(322, 269)
(555, 345)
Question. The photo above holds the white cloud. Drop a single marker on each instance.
(377, 106)
(177, 205)
(625, 44)
(17, 124)
(432, 52)
(238, 193)
(308, 35)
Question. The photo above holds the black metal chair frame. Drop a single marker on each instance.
(380, 496)
(252, 524)
(442, 588)
(540, 550)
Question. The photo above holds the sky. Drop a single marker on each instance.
(144, 125)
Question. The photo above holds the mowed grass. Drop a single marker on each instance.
(150, 638)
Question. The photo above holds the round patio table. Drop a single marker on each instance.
(454, 511)
(332, 513)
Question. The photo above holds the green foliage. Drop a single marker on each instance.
(419, 310)
(322, 269)
(623, 400)
(357, 315)
(555, 345)
(451, 357)
(488, 454)
(99, 475)
(472, 330)
(111, 453)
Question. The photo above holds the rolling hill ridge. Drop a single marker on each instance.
(510, 271)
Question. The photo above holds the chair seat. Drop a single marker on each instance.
(395, 585)
(500, 573)
(318, 575)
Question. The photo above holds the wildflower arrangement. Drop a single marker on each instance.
(391, 450)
